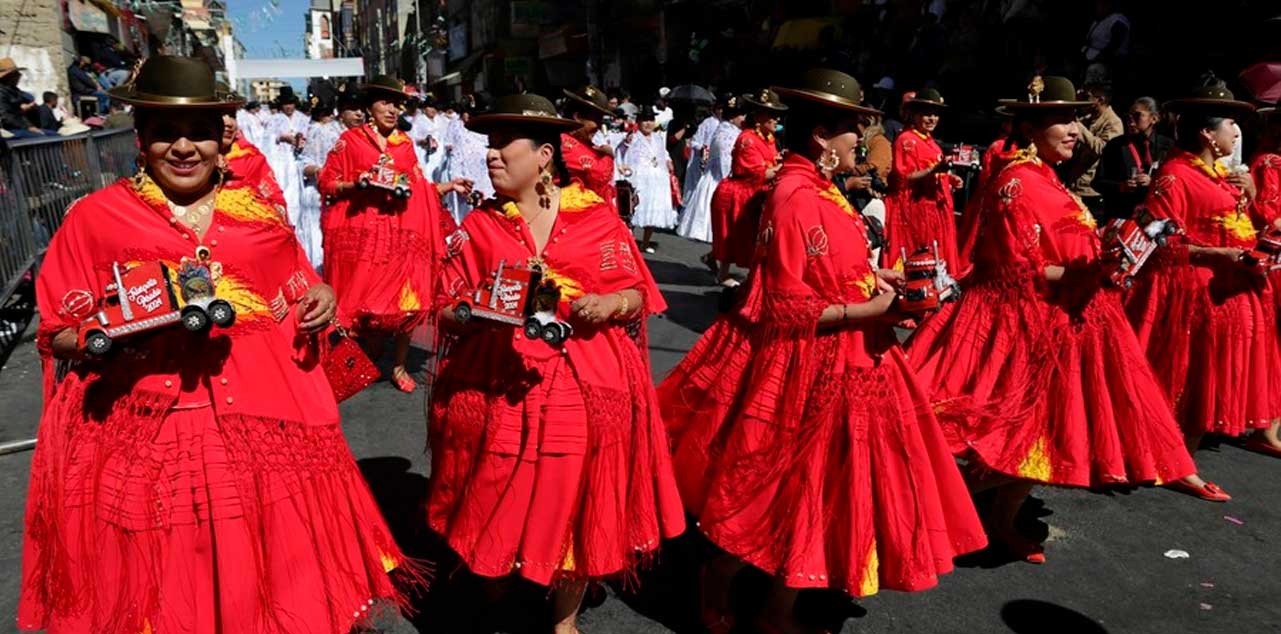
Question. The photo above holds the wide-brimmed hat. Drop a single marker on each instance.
(1046, 93)
(384, 86)
(592, 97)
(7, 65)
(287, 96)
(765, 99)
(926, 99)
(1212, 100)
(520, 112)
(168, 81)
(830, 88)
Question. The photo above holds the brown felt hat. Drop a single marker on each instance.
(384, 86)
(1046, 93)
(830, 88)
(928, 99)
(765, 99)
(524, 111)
(1213, 100)
(592, 97)
(168, 81)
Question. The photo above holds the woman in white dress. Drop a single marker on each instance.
(648, 167)
(287, 133)
(322, 134)
(696, 221)
(468, 160)
(699, 150)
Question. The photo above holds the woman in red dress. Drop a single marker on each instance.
(802, 440)
(246, 166)
(736, 206)
(1265, 170)
(382, 251)
(590, 164)
(1035, 376)
(1205, 315)
(549, 460)
(919, 208)
(997, 155)
(191, 481)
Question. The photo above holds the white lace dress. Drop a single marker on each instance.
(696, 220)
(646, 156)
(321, 138)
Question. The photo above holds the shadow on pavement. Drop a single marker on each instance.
(1027, 616)
(680, 274)
(692, 311)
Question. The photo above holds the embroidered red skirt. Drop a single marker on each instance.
(915, 222)
(205, 525)
(736, 215)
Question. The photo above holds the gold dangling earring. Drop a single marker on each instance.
(544, 189)
(829, 161)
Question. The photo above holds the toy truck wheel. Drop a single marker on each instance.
(462, 313)
(401, 192)
(1127, 282)
(533, 329)
(555, 333)
(97, 343)
(222, 314)
(195, 319)
(362, 183)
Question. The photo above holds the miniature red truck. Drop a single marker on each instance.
(929, 284)
(144, 297)
(1128, 243)
(1266, 257)
(518, 296)
(383, 176)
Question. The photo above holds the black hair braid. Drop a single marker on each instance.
(559, 167)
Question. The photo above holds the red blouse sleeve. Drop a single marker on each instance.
(66, 279)
(1011, 234)
(796, 231)
(1168, 197)
(623, 267)
(749, 157)
(1267, 178)
(335, 169)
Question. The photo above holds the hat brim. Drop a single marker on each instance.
(752, 102)
(368, 90)
(486, 123)
(6, 72)
(1015, 106)
(1266, 111)
(587, 102)
(926, 103)
(1227, 107)
(821, 98)
(130, 96)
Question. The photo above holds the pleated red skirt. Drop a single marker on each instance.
(736, 215)
(867, 498)
(209, 526)
(915, 222)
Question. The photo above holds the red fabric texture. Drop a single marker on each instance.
(551, 462)
(918, 215)
(588, 168)
(194, 483)
(1209, 327)
(382, 254)
(737, 203)
(813, 454)
(995, 158)
(248, 167)
(1266, 170)
(1045, 381)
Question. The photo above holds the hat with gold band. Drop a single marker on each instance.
(1046, 93)
(764, 99)
(384, 87)
(521, 111)
(1212, 100)
(168, 81)
(831, 88)
(592, 97)
(926, 100)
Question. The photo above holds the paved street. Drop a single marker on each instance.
(1107, 570)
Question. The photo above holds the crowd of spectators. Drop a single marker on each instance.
(86, 106)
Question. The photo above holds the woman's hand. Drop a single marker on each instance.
(460, 185)
(890, 280)
(316, 308)
(771, 173)
(66, 345)
(1243, 182)
(596, 309)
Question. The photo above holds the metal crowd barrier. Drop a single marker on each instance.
(42, 177)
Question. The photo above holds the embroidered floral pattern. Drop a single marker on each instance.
(816, 241)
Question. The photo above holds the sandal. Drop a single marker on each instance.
(403, 382)
(1211, 492)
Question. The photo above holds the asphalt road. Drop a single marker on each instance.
(1107, 573)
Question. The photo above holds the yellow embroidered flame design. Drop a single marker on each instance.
(146, 627)
(834, 195)
(242, 203)
(389, 562)
(871, 583)
(149, 191)
(867, 285)
(510, 210)
(570, 289)
(248, 304)
(397, 137)
(1086, 218)
(237, 150)
(567, 564)
(1238, 225)
(409, 300)
(1036, 465)
(575, 197)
